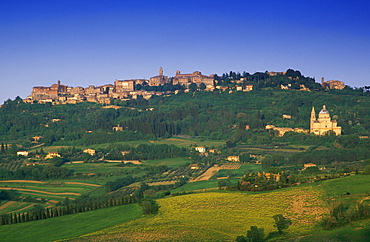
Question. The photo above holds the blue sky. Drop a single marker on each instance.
(85, 43)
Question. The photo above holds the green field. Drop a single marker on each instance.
(94, 168)
(196, 186)
(187, 142)
(69, 226)
(209, 216)
(178, 141)
(239, 172)
(218, 216)
(355, 185)
(172, 163)
(19, 207)
(358, 231)
(55, 190)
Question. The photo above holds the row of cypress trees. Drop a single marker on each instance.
(45, 213)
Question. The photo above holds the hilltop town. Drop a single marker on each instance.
(134, 88)
(121, 89)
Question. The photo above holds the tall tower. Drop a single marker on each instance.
(161, 71)
(312, 119)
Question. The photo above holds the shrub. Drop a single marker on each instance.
(149, 206)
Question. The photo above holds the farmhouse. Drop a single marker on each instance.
(194, 167)
(233, 158)
(200, 149)
(89, 151)
(283, 130)
(118, 128)
(24, 153)
(51, 155)
(305, 166)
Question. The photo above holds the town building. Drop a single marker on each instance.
(196, 77)
(158, 80)
(323, 123)
(124, 86)
(43, 93)
(274, 73)
(332, 84)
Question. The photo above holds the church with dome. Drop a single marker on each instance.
(323, 123)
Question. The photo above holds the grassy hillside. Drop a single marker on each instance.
(69, 226)
(219, 216)
(212, 216)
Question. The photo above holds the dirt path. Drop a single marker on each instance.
(208, 174)
(6, 205)
(50, 193)
(365, 198)
(23, 208)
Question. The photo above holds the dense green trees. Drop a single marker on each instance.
(213, 115)
(281, 223)
(149, 206)
(254, 234)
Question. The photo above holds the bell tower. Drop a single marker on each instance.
(312, 119)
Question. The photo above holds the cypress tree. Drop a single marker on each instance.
(47, 213)
(94, 205)
(2, 148)
(11, 218)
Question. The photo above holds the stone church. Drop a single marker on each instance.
(323, 123)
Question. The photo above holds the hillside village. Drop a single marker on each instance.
(133, 88)
(121, 89)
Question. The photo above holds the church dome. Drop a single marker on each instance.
(324, 110)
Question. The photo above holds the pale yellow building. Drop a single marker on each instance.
(90, 151)
(323, 123)
(233, 158)
(51, 155)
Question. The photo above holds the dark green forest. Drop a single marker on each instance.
(212, 115)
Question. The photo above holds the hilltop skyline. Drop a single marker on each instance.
(84, 43)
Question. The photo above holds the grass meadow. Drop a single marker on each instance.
(239, 172)
(216, 216)
(69, 226)
(94, 168)
(54, 191)
(173, 163)
(13, 206)
(178, 141)
(355, 185)
(209, 216)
